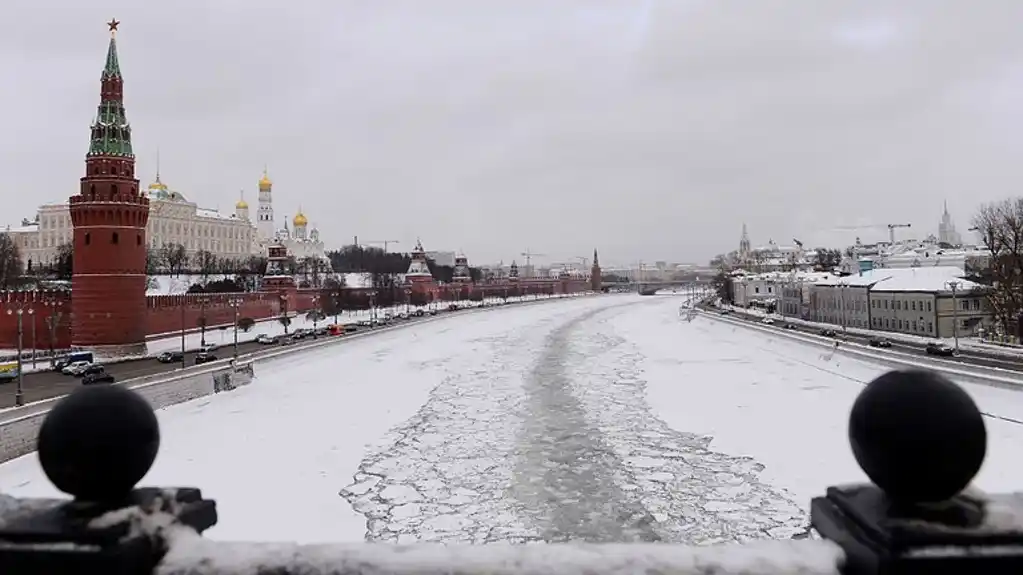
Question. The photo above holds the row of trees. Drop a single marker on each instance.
(174, 259)
(823, 259)
(1000, 225)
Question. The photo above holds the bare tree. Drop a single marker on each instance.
(10, 261)
(176, 257)
(155, 262)
(63, 262)
(313, 270)
(205, 263)
(1001, 226)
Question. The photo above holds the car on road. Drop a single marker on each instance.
(940, 348)
(205, 357)
(208, 348)
(76, 367)
(73, 357)
(879, 342)
(95, 377)
(264, 339)
(170, 357)
(90, 369)
(791, 326)
(767, 321)
(827, 332)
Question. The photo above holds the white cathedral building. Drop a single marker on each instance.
(175, 219)
(301, 241)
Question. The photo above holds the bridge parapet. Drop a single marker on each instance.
(916, 435)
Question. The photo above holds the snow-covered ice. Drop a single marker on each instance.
(595, 419)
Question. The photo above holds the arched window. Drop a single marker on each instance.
(138, 240)
(114, 238)
(113, 190)
(88, 238)
(92, 191)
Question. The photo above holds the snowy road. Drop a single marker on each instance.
(598, 419)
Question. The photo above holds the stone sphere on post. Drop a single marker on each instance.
(97, 443)
(918, 436)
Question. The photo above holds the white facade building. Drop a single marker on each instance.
(172, 219)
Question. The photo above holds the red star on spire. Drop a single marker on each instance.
(113, 23)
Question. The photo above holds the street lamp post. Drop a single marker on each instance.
(408, 300)
(334, 297)
(954, 286)
(52, 321)
(183, 328)
(284, 312)
(20, 310)
(235, 304)
(202, 321)
(316, 313)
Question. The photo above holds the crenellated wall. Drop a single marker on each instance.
(45, 307)
(166, 314)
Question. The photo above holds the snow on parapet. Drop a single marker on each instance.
(189, 554)
(931, 280)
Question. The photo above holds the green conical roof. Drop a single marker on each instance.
(111, 132)
(113, 67)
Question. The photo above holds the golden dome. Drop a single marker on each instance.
(241, 205)
(264, 182)
(300, 220)
(158, 186)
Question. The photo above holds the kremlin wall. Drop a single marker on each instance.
(107, 309)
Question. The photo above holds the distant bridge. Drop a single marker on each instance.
(652, 287)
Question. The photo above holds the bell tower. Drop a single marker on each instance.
(109, 215)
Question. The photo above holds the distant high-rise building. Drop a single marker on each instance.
(947, 233)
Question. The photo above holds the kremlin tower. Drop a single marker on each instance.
(462, 273)
(595, 277)
(109, 216)
(419, 270)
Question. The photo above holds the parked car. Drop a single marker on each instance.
(204, 357)
(827, 332)
(74, 368)
(100, 376)
(433, 312)
(170, 357)
(72, 357)
(791, 326)
(879, 342)
(91, 369)
(351, 328)
(264, 339)
(767, 321)
(939, 348)
(208, 348)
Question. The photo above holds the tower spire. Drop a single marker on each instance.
(113, 67)
(158, 165)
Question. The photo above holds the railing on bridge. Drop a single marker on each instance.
(918, 436)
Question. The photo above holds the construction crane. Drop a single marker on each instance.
(385, 243)
(584, 260)
(891, 231)
(529, 255)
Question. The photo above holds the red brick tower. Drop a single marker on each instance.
(109, 216)
(595, 274)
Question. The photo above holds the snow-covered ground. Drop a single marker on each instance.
(604, 419)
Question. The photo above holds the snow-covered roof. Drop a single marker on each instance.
(23, 229)
(931, 279)
(213, 214)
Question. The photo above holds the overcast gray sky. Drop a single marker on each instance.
(646, 128)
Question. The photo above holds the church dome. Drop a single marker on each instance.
(300, 220)
(242, 205)
(264, 182)
(158, 186)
